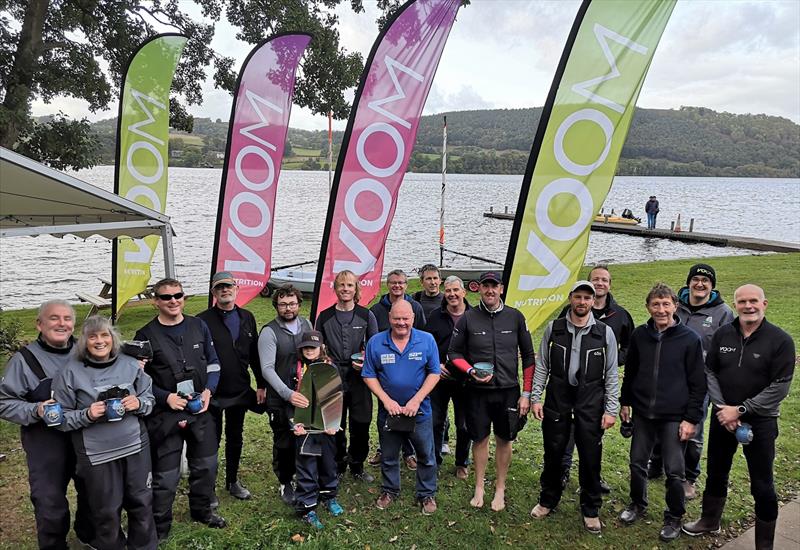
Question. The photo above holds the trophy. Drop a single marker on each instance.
(322, 386)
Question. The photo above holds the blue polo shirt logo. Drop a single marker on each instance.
(415, 356)
(387, 359)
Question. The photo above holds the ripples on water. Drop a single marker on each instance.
(37, 268)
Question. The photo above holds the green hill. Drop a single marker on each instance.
(690, 141)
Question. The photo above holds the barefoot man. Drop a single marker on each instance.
(493, 333)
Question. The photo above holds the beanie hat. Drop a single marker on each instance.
(705, 270)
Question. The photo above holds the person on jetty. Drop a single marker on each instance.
(702, 309)
(440, 324)
(277, 349)
(749, 367)
(317, 478)
(607, 310)
(578, 363)
(397, 281)
(235, 336)
(664, 385)
(494, 333)
(346, 326)
(401, 367)
(184, 366)
(113, 453)
(24, 391)
(651, 209)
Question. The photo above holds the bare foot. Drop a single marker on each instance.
(499, 501)
(477, 499)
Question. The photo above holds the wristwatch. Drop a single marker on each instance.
(742, 410)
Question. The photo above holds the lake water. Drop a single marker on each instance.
(34, 269)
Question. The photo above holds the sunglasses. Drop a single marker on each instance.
(168, 297)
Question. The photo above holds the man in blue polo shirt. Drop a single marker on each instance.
(401, 367)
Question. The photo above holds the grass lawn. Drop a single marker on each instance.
(265, 522)
(306, 152)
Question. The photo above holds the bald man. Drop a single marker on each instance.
(401, 367)
(749, 368)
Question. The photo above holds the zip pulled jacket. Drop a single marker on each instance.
(499, 337)
(381, 312)
(756, 371)
(664, 376)
(277, 348)
(80, 384)
(706, 319)
(440, 325)
(235, 356)
(21, 390)
(578, 365)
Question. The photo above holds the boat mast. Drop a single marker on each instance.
(444, 183)
(330, 151)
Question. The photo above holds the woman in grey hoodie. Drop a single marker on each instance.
(105, 395)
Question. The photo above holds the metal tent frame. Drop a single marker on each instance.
(38, 200)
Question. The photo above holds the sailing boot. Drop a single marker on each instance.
(765, 534)
(709, 519)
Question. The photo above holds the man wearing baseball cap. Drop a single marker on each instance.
(578, 365)
(493, 333)
(235, 336)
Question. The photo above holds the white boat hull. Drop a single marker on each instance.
(301, 280)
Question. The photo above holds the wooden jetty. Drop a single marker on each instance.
(748, 243)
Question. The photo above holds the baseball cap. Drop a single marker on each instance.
(586, 285)
(310, 339)
(222, 278)
(491, 276)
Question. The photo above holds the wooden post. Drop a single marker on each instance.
(691, 225)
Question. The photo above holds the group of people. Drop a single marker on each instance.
(126, 420)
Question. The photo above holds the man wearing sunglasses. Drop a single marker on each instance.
(184, 365)
(235, 336)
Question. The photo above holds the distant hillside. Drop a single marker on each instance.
(690, 141)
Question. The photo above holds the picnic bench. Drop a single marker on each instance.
(102, 300)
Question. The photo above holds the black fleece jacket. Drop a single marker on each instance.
(664, 374)
(756, 371)
(441, 326)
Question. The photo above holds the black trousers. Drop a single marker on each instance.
(234, 430)
(283, 452)
(444, 392)
(51, 464)
(645, 434)
(201, 454)
(356, 417)
(589, 440)
(760, 456)
(317, 479)
(121, 483)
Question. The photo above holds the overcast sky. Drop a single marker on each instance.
(738, 56)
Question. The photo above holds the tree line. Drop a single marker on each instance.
(690, 141)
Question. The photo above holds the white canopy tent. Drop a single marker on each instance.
(38, 200)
